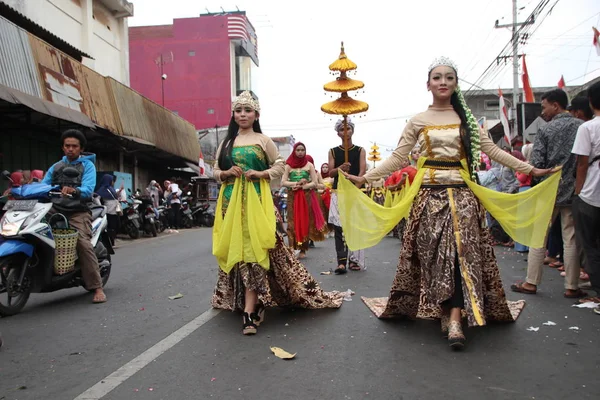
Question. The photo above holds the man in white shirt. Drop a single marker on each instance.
(587, 187)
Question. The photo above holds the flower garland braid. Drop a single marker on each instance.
(473, 127)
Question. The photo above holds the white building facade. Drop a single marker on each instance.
(98, 28)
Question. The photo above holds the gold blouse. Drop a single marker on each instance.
(437, 131)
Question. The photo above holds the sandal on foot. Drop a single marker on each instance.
(589, 300)
(519, 288)
(456, 337)
(258, 316)
(354, 267)
(555, 264)
(574, 294)
(249, 324)
(561, 268)
(583, 276)
(340, 270)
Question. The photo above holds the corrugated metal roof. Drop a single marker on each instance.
(143, 119)
(17, 67)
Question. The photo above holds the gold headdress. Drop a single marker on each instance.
(443, 61)
(246, 99)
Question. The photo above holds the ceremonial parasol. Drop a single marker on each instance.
(374, 154)
(344, 105)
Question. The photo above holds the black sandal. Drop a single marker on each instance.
(340, 271)
(258, 316)
(249, 324)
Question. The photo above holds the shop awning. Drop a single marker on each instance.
(45, 107)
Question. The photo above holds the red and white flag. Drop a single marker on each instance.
(504, 118)
(526, 84)
(561, 83)
(596, 40)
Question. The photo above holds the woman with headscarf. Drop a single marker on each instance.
(305, 216)
(447, 266)
(16, 180)
(256, 268)
(37, 175)
(110, 199)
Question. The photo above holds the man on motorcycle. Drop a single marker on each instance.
(76, 193)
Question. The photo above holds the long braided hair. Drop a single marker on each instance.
(469, 131)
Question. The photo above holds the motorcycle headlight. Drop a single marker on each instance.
(10, 228)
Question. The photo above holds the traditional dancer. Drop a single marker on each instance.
(305, 214)
(447, 263)
(356, 165)
(256, 270)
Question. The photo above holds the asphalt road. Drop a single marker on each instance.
(141, 345)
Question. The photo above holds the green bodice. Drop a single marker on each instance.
(296, 175)
(246, 157)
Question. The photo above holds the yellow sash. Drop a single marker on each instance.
(524, 216)
(247, 231)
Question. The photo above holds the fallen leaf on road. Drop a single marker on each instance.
(533, 329)
(177, 296)
(549, 323)
(284, 355)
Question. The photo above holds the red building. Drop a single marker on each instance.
(195, 66)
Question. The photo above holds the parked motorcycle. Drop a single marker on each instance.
(148, 216)
(27, 246)
(202, 214)
(130, 220)
(187, 220)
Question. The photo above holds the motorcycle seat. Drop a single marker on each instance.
(98, 212)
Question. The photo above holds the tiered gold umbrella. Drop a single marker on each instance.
(344, 105)
(374, 154)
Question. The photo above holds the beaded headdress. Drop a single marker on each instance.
(442, 61)
(246, 99)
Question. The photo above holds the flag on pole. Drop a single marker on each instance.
(526, 85)
(563, 87)
(504, 118)
(596, 41)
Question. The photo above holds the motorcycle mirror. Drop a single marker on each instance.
(6, 175)
(189, 193)
(71, 172)
(129, 190)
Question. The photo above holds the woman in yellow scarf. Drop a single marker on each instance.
(447, 265)
(257, 269)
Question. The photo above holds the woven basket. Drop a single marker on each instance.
(65, 253)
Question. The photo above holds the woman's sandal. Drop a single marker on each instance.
(354, 266)
(258, 316)
(589, 300)
(340, 270)
(249, 324)
(456, 337)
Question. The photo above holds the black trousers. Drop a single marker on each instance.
(587, 232)
(175, 216)
(113, 221)
(341, 249)
(457, 300)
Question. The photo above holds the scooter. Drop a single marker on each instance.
(27, 246)
(130, 220)
(202, 214)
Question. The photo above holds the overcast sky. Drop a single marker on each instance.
(393, 43)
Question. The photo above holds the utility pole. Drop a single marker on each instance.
(515, 59)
